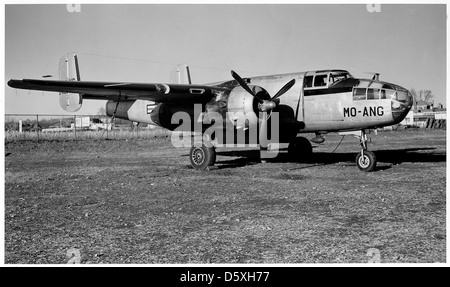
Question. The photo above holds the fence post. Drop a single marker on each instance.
(37, 127)
(75, 126)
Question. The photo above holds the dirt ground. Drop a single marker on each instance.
(139, 201)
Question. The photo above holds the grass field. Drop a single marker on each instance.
(139, 201)
(126, 133)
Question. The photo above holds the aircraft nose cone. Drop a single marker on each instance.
(401, 104)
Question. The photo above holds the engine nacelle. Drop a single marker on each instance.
(242, 108)
(236, 108)
(136, 111)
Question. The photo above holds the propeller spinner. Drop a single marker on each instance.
(264, 106)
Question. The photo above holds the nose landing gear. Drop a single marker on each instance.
(365, 160)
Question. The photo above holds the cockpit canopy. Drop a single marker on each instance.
(324, 79)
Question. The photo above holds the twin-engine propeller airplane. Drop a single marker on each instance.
(280, 105)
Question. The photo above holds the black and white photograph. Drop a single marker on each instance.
(240, 134)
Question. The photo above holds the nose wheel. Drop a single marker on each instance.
(365, 160)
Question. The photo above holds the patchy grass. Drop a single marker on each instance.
(139, 201)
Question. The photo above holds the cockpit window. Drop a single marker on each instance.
(320, 80)
(308, 81)
(336, 77)
(325, 79)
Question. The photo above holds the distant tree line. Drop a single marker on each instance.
(422, 95)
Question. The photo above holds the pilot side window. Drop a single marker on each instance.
(308, 81)
(359, 94)
(337, 77)
(320, 80)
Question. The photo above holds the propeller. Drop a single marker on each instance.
(264, 106)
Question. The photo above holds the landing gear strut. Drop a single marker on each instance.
(365, 160)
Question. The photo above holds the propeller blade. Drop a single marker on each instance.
(283, 90)
(244, 85)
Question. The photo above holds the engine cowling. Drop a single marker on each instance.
(242, 108)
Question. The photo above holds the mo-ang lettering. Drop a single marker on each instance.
(366, 112)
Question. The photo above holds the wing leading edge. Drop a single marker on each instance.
(126, 91)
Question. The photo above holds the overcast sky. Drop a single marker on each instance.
(142, 43)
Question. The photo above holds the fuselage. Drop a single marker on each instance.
(332, 100)
(323, 101)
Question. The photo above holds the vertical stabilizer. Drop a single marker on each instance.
(180, 75)
(69, 71)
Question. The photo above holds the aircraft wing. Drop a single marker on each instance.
(126, 91)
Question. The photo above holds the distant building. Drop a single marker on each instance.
(421, 105)
(422, 111)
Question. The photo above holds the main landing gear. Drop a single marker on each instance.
(365, 160)
(202, 155)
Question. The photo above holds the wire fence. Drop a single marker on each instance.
(38, 127)
(75, 127)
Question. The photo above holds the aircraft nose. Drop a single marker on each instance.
(401, 104)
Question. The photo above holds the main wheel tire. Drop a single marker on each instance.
(300, 149)
(366, 161)
(202, 157)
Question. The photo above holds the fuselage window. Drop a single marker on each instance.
(402, 96)
(373, 94)
(383, 94)
(390, 94)
(359, 94)
(320, 80)
(387, 86)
